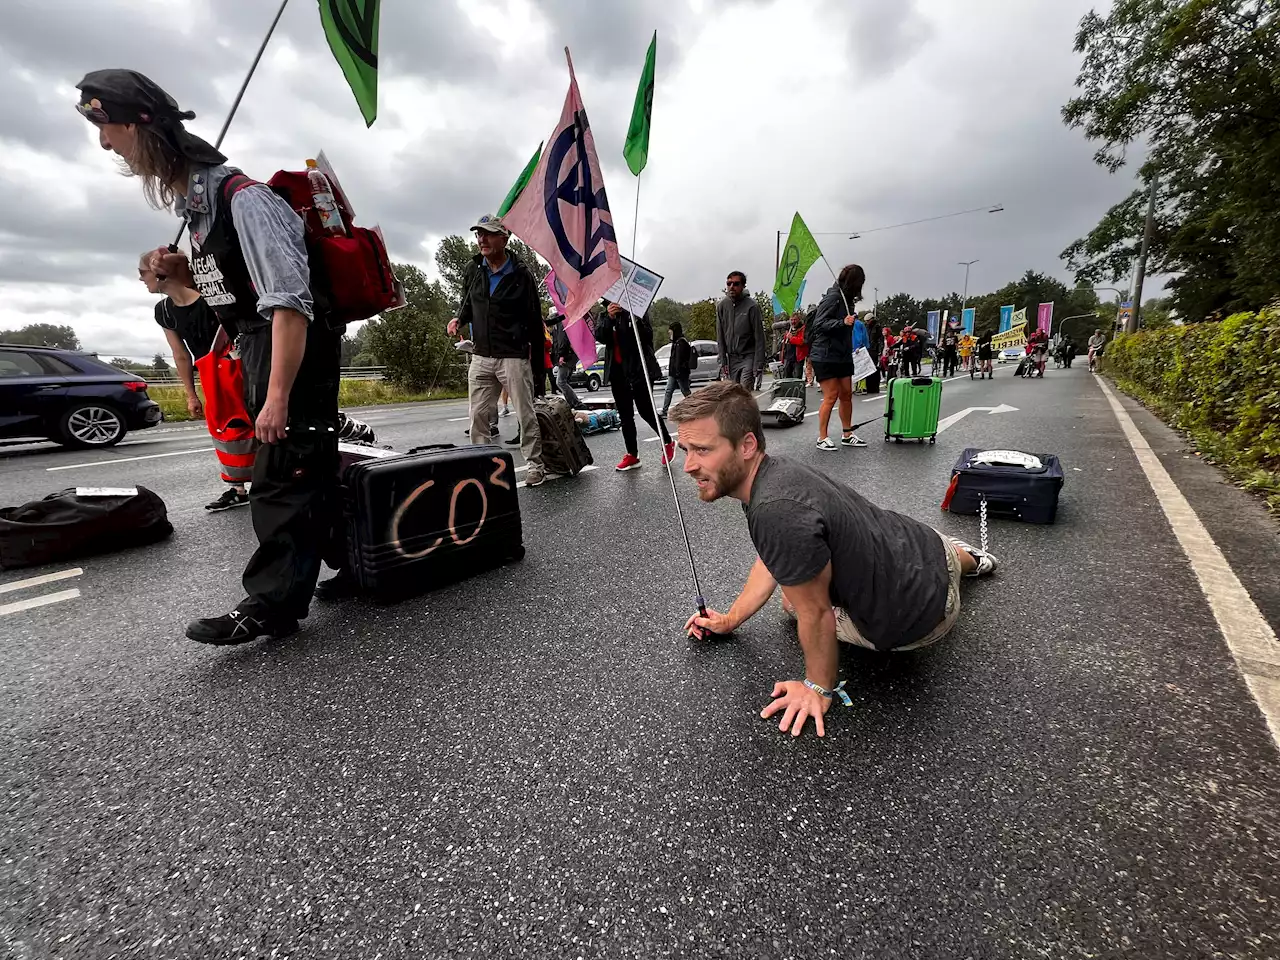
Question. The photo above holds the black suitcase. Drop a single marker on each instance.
(1017, 485)
(431, 516)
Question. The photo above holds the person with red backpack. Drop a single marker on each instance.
(250, 263)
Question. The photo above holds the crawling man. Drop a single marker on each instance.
(849, 570)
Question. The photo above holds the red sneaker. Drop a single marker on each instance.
(669, 453)
(629, 462)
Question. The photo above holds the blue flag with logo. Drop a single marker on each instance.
(934, 317)
(1006, 318)
(969, 314)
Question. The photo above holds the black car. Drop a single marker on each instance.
(71, 398)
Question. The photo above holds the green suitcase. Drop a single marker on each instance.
(912, 409)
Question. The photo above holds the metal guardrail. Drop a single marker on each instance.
(347, 373)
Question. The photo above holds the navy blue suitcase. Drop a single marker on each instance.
(431, 516)
(1020, 486)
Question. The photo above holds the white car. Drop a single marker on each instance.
(1011, 355)
(707, 368)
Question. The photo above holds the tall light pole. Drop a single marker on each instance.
(964, 300)
(1135, 318)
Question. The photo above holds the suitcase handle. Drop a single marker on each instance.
(434, 446)
(922, 382)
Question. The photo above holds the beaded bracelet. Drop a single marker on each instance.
(827, 694)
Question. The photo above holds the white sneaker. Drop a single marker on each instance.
(534, 475)
(826, 444)
(852, 440)
(988, 563)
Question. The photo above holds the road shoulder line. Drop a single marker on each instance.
(1249, 637)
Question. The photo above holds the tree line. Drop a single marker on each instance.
(1195, 83)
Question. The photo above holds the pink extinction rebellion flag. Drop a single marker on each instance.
(1044, 319)
(563, 214)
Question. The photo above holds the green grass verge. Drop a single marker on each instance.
(351, 393)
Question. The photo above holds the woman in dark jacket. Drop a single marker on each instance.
(678, 365)
(631, 379)
(831, 352)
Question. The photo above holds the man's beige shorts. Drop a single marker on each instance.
(848, 633)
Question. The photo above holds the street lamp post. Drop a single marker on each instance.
(1065, 319)
(964, 300)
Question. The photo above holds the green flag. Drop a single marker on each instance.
(800, 253)
(351, 27)
(636, 149)
(522, 181)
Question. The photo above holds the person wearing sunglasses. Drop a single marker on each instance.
(249, 263)
(740, 333)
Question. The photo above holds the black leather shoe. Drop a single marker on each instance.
(237, 627)
(514, 441)
(342, 586)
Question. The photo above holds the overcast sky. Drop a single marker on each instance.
(858, 114)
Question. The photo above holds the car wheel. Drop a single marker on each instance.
(593, 383)
(91, 425)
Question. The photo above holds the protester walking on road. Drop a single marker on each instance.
(912, 351)
(850, 571)
(190, 326)
(679, 364)
(985, 352)
(950, 353)
(831, 352)
(740, 333)
(500, 303)
(795, 351)
(249, 262)
(631, 379)
(563, 359)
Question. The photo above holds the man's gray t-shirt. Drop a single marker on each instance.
(888, 572)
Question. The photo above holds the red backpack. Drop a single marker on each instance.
(351, 277)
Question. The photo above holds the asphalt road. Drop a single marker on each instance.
(535, 762)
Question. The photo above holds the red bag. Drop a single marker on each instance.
(351, 277)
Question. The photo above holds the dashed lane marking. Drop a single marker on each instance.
(19, 606)
(40, 580)
(1249, 637)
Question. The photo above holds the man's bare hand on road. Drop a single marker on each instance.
(800, 703)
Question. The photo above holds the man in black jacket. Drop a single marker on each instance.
(563, 359)
(630, 379)
(500, 303)
(678, 366)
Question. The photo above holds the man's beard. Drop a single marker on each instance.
(723, 482)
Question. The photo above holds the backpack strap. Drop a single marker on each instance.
(233, 183)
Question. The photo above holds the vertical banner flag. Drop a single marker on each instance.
(968, 315)
(1006, 318)
(800, 253)
(1124, 314)
(351, 27)
(932, 316)
(1019, 320)
(522, 181)
(563, 214)
(1044, 319)
(636, 149)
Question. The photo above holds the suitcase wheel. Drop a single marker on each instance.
(517, 554)
(933, 439)
(897, 439)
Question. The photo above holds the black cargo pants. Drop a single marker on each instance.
(294, 500)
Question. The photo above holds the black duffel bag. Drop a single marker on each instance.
(78, 522)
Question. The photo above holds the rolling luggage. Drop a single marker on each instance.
(564, 452)
(784, 401)
(1021, 486)
(912, 409)
(430, 516)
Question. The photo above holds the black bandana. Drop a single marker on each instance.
(126, 96)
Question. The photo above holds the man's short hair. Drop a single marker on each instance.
(739, 274)
(731, 404)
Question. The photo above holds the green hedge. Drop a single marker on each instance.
(1220, 383)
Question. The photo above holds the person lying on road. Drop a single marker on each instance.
(849, 570)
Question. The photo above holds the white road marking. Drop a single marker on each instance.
(1249, 637)
(955, 418)
(457, 419)
(38, 581)
(44, 601)
(150, 456)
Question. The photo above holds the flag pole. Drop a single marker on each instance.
(847, 310)
(653, 407)
(235, 105)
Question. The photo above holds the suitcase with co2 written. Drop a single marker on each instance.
(430, 516)
(1017, 485)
